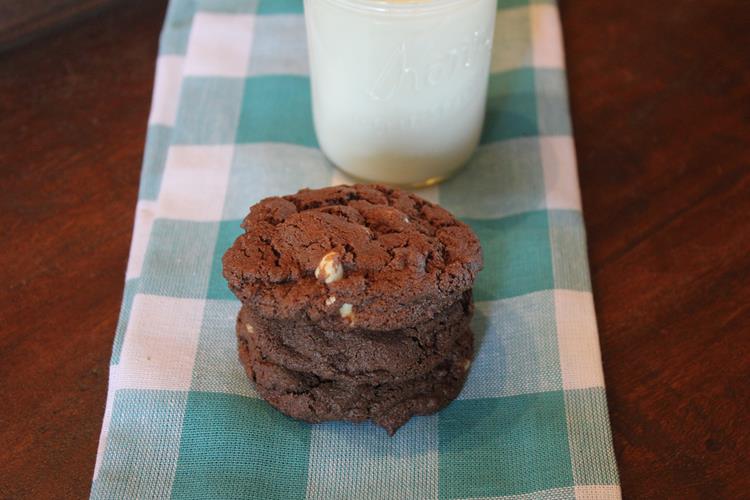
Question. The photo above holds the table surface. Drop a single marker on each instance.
(661, 109)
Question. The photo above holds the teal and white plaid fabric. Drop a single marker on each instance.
(231, 123)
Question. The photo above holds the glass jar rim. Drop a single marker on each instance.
(407, 7)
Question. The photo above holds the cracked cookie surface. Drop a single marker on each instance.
(363, 256)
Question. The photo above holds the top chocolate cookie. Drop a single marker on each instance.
(368, 256)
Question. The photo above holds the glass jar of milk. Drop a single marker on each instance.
(399, 86)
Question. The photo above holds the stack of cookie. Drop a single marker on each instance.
(356, 303)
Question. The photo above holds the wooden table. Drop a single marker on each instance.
(661, 107)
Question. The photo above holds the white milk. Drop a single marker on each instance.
(399, 87)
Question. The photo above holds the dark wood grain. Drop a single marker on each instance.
(73, 112)
(661, 108)
(21, 20)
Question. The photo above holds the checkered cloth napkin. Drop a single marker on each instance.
(230, 124)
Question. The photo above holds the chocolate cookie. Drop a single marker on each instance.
(367, 256)
(358, 356)
(356, 303)
(312, 398)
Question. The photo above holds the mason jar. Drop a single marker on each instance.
(399, 87)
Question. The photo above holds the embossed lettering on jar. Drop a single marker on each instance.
(399, 88)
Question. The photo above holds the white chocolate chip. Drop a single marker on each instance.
(406, 219)
(346, 311)
(249, 328)
(466, 364)
(330, 300)
(330, 268)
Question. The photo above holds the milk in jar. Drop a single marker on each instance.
(399, 87)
